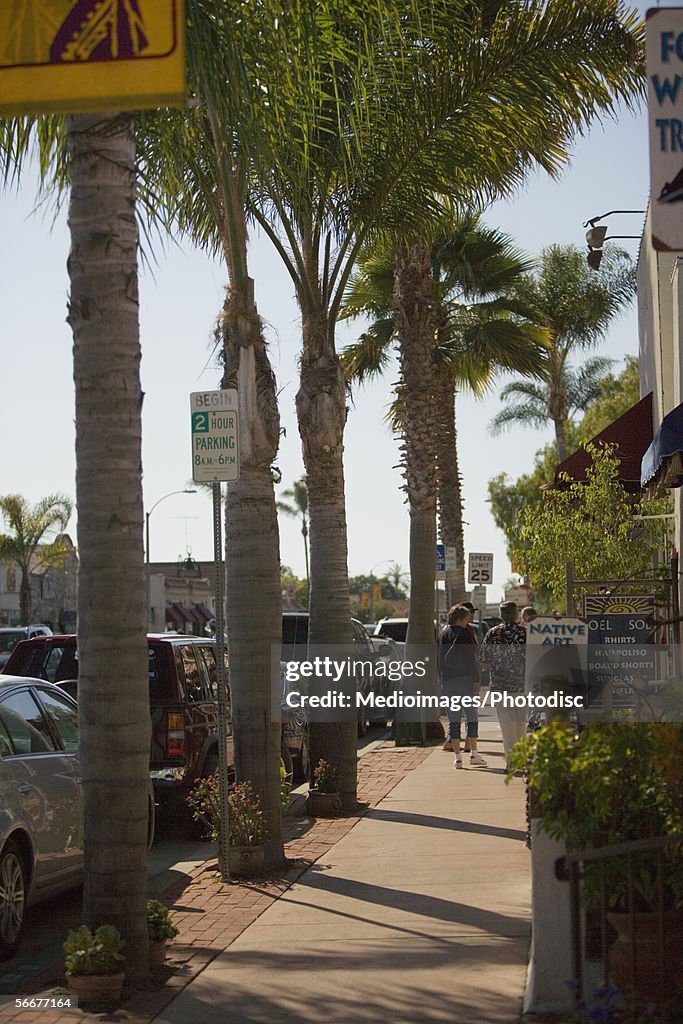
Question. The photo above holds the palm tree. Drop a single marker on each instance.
(355, 151)
(197, 167)
(578, 305)
(27, 544)
(297, 507)
(103, 313)
(478, 331)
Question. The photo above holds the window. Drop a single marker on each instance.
(25, 724)
(207, 660)
(193, 680)
(64, 718)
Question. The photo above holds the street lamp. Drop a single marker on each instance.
(186, 490)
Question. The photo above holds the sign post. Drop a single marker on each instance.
(215, 457)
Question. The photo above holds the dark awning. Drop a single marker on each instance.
(662, 465)
(175, 614)
(631, 433)
(205, 612)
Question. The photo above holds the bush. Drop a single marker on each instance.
(97, 952)
(246, 822)
(159, 922)
(326, 777)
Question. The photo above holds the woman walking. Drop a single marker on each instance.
(459, 679)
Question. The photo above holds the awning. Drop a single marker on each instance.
(206, 613)
(631, 433)
(175, 614)
(662, 464)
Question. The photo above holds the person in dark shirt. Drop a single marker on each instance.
(459, 677)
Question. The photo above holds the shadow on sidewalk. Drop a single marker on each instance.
(399, 989)
(450, 824)
(417, 903)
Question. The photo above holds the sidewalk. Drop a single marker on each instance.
(417, 912)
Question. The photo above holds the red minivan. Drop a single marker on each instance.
(183, 701)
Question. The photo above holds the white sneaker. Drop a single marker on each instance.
(457, 761)
(477, 760)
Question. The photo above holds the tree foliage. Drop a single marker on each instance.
(617, 393)
(26, 543)
(588, 524)
(578, 306)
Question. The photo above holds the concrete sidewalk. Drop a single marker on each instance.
(420, 913)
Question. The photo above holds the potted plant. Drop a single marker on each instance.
(161, 930)
(611, 784)
(246, 821)
(93, 965)
(324, 800)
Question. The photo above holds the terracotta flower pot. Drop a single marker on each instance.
(645, 980)
(323, 805)
(246, 861)
(97, 992)
(157, 952)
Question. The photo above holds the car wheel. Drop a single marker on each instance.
(12, 898)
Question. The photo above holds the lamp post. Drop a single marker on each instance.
(186, 490)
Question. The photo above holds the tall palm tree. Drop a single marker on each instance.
(479, 330)
(197, 167)
(103, 313)
(578, 306)
(297, 507)
(356, 152)
(27, 542)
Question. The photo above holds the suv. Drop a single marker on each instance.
(183, 699)
(295, 636)
(10, 636)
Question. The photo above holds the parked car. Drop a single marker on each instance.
(41, 800)
(183, 699)
(295, 637)
(396, 629)
(10, 636)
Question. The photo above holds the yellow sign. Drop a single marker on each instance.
(61, 56)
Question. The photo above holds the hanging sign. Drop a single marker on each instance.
(664, 43)
(89, 55)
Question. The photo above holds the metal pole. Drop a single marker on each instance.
(147, 569)
(224, 831)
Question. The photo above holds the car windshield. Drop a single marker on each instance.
(9, 639)
(396, 630)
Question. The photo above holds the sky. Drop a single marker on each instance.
(181, 293)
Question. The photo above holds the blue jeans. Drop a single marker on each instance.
(461, 686)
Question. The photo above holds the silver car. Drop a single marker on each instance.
(41, 802)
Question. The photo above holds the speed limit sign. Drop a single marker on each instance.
(480, 567)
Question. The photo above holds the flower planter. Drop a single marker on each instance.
(97, 992)
(157, 952)
(645, 980)
(246, 861)
(323, 805)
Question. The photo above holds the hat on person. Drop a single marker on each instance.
(468, 605)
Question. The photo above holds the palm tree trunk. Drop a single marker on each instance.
(415, 323)
(25, 597)
(450, 490)
(321, 410)
(113, 691)
(254, 605)
(561, 439)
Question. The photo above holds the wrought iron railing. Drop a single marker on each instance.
(570, 868)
